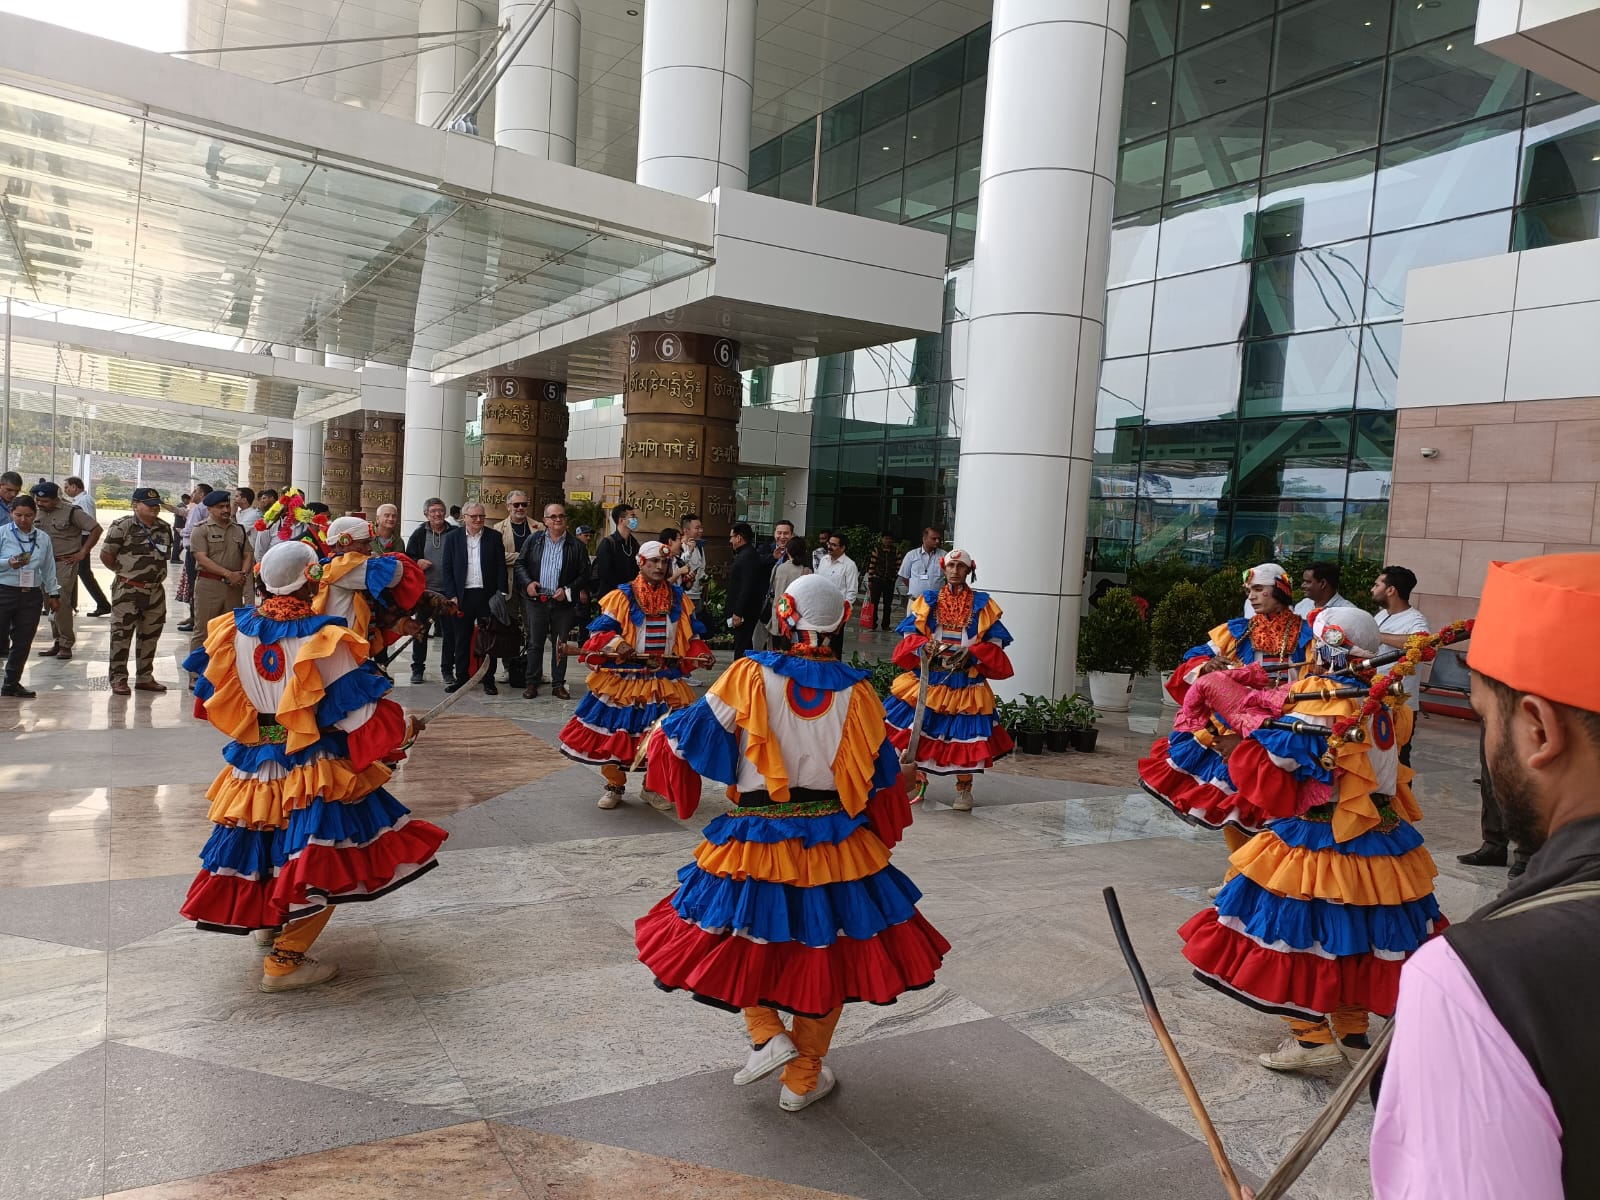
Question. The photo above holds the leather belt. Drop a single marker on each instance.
(135, 583)
(212, 575)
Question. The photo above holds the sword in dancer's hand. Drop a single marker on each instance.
(444, 705)
(908, 757)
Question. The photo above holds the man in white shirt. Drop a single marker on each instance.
(474, 570)
(1320, 583)
(1397, 621)
(80, 496)
(838, 569)
(919, 569)
(692, 558)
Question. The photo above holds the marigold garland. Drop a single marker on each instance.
(954, 609)
(1420, 648)
(284, 608)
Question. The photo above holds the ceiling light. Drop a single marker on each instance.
(886, 147)
(633, 12)
(1205, 6)
(1366, 22)
(1449, 45)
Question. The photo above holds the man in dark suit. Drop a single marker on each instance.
(551, 577)
(747, 585)
(474, 570)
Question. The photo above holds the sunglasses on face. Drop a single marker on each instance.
(519, 504)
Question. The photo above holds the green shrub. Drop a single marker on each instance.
(1223, 592)
(1180, 621)
(1113, 636)
(884, 672)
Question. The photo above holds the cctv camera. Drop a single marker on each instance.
(1430, 452)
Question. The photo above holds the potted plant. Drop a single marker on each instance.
(1008, 715)
(1081, 717)
(1030, 726)
(1180, 622)
(1058, 725)
(1113, 647)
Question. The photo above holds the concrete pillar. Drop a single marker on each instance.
(696, 89)
(536, 100)
(433, 453)
(1038, 310)
(441, 69)
(305, 471)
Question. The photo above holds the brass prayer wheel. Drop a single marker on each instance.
(524, 447)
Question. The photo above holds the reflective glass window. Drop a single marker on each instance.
(968, 160)
(1277, 529)
(841, 122)
(885, 99)
(1540, 88)
(934, 223)
(1366, 530)
(1294, 458)
(837, 170)
(1415, 22)
(1128, 320)
(930, 185)
(765, 160)
(1222, 74)
(1575, 219)
(1325, 120)
(1187, 461)
(1372, 457)
(1152, 31)
(799, 145)
(963, 233)
(883, 149)
(1395, 254)
(795, 184)
(1470, 169)
(1121, 396)
(1193, 530)
(938, 73)
(1139, 174)
(1447, 82)
(1202, 20)
(880, 199)
(1116, 461)
(973, 98)
(767, 187)
(1216, 153)
(843, 202)
(978, 52)
(1327, 203)
(1380, 366)
(1200, 309)
(1328, 36)
(1146, 102)
(1133, 248)
(932, 128)
(1561, 150)
(1193, 385)
(1309, 372)
(1316, 289)
(1209, 232)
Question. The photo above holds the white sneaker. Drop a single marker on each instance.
(766, 1060)
(790, 1102)
(1292, 1056)
(963, 800)
(1213, 892)
(657, 801)
(308, 974)
(1353, 1054)
(265, 937)
(610, 798)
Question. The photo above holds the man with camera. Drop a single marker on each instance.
(551, 571)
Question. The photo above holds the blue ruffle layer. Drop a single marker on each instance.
(382, 572)
(949, 727)
(251, 759)
(259, 851)
(886, 767)
(365, 685)
(828, 830)
(1204, 763)
(702, 742)
(1318, 835)
(197, 661)
(826, 675)
(251, 623)
(1303, 749)
(1341, 929)
(778, 912)
(633, 718)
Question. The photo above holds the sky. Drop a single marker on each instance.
(152, 24)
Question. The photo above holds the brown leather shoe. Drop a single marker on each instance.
(52, 652)
(119, 687)
(150, 685)
(63, 654)
(560, 692)
(529, 692)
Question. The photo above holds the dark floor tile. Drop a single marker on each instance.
(51, 1132)
(140, 907)
(73, 914)
(562, 809)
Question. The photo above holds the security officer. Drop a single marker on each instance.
(73, 533)
(136, 549)
(222, 563)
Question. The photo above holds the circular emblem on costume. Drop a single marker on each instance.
(808, 703)
(1383, 730)
(269, 661)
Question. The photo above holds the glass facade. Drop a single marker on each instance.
(1283, 166)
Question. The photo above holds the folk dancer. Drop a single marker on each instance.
(960, 735)
(301, 818)
(356, 584)
(1188, 770)
(1337, 891)
(641, 647)
(791, 904)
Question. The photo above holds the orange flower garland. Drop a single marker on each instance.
(1420, 648)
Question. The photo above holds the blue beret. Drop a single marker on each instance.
(217, 498)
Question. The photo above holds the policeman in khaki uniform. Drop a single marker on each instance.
(136, 548)
(222, 561)
(73, 533)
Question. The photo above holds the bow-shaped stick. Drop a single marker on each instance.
(947, 660)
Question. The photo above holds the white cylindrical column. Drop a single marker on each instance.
(696, 89)
(1038, 308)
(305, 468)
(441, 69)
(434, 453)
(536, 100)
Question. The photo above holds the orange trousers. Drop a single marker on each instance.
(811, 1036)
(1344, 1022)
(289, 949)
(614, 776)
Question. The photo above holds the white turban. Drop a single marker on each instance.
(345, 531)
(1274, 577)
(1347, 628)
(813, 603)
(284, 567)
(653, 550)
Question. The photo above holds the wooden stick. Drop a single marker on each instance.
(1219, 1155)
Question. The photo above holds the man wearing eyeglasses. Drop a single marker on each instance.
(839, 569)
(549, 577)
(474, 569)
(514, 533)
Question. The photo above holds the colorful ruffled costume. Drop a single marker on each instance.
(302, 818)
(791, 903)
(1331, 898)
(355, 586)
(1184, 770)
(627, 697)
(960, 735)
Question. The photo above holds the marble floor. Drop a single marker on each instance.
(492, 1035)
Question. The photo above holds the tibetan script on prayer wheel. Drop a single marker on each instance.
(341, 470)
(524, 446)
(381, 451)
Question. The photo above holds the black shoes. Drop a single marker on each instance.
(102, 611)
(416, 677)
(186, 627)
(1517, 868)
(1485, 856)
(489, 686)
(452, 686)
(17, 690)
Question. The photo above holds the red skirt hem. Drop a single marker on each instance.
(1197, 802)
(586, 745)
(949, 758)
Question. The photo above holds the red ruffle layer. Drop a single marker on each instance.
(810, 980)
(947, 758)
(668, 774)
(889, 812)
(1270, 788)
(1195, 801)
(380, 737)
(1270, 978)
(588, 745)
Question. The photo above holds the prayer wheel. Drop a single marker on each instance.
(380, 462)
(341, 480)
(269, 462)
(524, 447)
